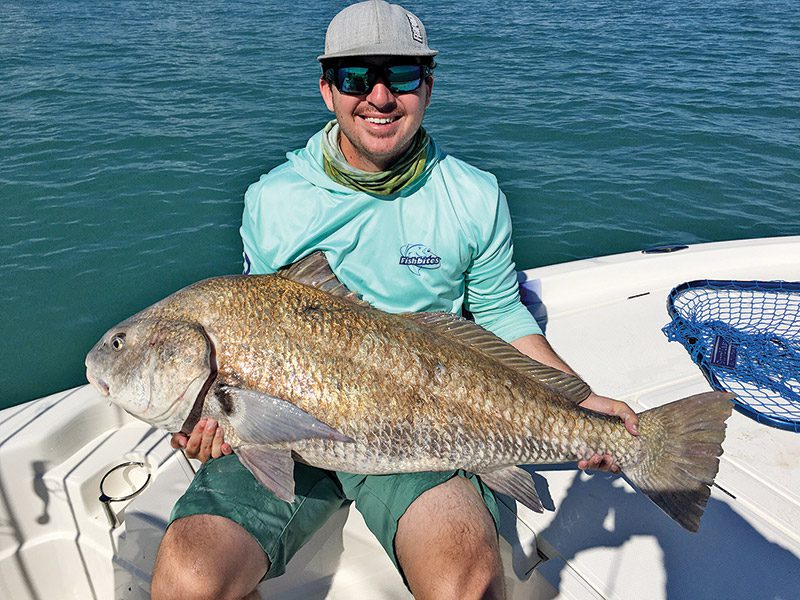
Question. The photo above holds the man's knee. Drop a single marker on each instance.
(447, 545)
(205, 556)
(478, 577)
(477, 573)
(179, 583)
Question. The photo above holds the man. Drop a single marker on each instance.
(411, 229)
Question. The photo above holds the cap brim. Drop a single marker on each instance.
(372, 51)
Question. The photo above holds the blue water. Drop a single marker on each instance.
(129, 131)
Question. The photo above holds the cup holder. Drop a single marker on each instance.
(121, 483)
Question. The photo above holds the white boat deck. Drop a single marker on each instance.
(601, 540)
(605, 317)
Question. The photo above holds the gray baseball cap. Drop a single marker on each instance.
(375, 28)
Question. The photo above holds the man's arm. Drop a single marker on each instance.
(538, 348)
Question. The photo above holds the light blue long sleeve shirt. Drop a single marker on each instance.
(441, 244)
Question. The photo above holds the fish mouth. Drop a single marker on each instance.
(98, 384)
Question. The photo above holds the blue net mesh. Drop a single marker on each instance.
(745, 336)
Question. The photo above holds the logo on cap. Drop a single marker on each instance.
(416, 31)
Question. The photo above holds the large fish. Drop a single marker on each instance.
(295, 366)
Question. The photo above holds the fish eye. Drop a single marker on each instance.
(118, 341)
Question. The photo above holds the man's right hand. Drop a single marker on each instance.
(206, 441)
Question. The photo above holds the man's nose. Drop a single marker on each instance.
(381, 95)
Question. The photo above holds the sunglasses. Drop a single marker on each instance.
(359, 80)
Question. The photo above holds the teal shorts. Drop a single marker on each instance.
(224, 487)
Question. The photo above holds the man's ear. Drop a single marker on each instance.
(326, 89)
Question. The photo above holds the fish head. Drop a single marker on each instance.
(153, 368)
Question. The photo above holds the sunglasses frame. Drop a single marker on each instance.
(375, 73)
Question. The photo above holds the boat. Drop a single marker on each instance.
(86, 490)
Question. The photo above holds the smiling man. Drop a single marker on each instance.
(376, 127)
(411, 229)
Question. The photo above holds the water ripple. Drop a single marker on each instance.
(131, 130)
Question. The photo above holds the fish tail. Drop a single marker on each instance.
(682, 446)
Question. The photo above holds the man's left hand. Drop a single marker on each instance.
(616, 408)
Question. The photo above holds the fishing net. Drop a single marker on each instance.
(745, 336)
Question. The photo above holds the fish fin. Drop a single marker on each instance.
(314, 271)
(517, 483)
(274, 468)
(681, 458)
(263, 419)
(471, 334)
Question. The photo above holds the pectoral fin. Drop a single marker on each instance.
(514, 482)
(263, 419)
(273, 468)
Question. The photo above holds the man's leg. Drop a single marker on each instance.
(447, 546)
(227, 530)
(207, 556)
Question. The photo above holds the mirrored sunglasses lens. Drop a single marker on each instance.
(404, 78)
(352, 80)
(360, 80)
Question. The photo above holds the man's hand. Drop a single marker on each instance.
(206, 441)
(539, 349)
(608, 406)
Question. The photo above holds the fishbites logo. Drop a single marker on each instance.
(417, 257)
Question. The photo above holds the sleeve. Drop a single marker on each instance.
(492, 292)
(255, 254)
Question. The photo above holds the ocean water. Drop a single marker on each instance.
(129, 131)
